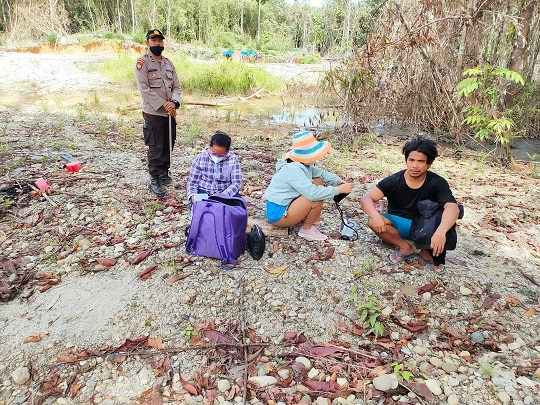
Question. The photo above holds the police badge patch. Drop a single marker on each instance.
(140, 63)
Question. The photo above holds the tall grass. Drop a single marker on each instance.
(202, 78)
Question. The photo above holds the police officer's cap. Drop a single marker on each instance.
(154, 33)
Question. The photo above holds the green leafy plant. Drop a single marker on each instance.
(400, 371)
(370, 313)
(4, 129)
(188, 332)
(192, 133)
(484, 88)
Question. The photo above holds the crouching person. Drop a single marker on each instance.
(404, 190)
(297, 191)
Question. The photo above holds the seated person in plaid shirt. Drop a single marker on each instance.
(215, 170)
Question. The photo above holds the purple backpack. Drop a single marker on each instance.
(218, 228)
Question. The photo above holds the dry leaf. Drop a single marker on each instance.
(36, 337)
(106, 262)
(514, 302)
(156, 343)
(277, 271)
(530, 312)
(145, 274)
(140, 257)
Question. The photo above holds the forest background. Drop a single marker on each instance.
(452, 68)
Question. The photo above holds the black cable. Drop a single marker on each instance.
(345, 237)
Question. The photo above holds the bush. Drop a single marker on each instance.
(224, 78)
(113, 35)
(212, 79)
(52, 38)
(120, 70)
(139, 37)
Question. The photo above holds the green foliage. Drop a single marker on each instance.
(212, 79)
(486, 113)
(309, 58)
(139, 37)
(400, 371)
(4, 129)
(192, 133)
(52, 38)
(188, 332)
(224, 78)
(114, 35)
(150, 208)
(120, 70)
(370, 313)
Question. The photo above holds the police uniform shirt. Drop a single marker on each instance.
(158, 82)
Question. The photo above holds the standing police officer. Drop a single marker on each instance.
(161, 94)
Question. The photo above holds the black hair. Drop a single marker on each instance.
(221, 138)
(422, 145)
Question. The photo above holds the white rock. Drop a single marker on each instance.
(383, 382)
(144, 374)
(386, 311)
(262, 381)
(452, 382)
(426, 296)
(436, 362)
(305, 361)
(516, 344)
(394, 335)
(223, 385)
(21, 375)
(452, 399)
(284, 373)
(434, 386)
(504, 397)
(464, 290)
(313, 373)
(526, 382)
(341, 382)
(420, 350)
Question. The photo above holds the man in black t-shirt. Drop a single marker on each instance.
(403, 191)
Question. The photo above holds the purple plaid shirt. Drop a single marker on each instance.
(223, 177)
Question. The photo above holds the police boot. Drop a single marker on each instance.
(155, 186)
(165, 178)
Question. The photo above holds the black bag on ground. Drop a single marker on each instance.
(256, 242)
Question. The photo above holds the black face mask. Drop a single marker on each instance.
(156, 50)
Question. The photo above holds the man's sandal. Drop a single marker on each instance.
(431, 263)
(401, 256)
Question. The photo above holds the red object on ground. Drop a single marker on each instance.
(42, 184)
(73, 166)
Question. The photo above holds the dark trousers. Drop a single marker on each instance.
(156, 137)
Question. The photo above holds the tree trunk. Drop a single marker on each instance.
(242, 16)
(169, 18)
(119, 16)
(132, 18)
(522, 34)
(259, 22)
(92, 17)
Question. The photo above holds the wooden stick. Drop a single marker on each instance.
(43, 194)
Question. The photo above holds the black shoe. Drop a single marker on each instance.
(155, 186)
(165, 179)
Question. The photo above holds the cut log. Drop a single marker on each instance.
(268, 230)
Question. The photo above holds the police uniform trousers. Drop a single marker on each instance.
(156, 137)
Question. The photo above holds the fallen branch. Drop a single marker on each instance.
(253, 95)
(44, 195)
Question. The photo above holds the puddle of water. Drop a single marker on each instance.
(276, 110)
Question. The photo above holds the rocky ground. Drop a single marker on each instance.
(101, 303)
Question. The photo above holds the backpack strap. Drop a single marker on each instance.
(227, 258)
(194, 226)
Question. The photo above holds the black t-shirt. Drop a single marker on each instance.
(403, 200)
